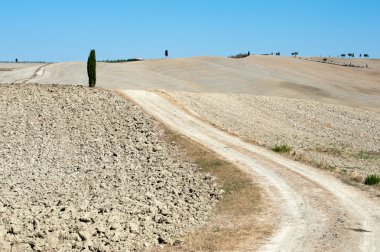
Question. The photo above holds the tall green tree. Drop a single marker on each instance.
(166, 53)
(91, 69)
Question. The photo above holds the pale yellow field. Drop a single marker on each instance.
(258, 75)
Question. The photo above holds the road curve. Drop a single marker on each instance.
(317, 211)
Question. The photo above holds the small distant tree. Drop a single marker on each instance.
(166, 53)
(91, 69)
(294, 54)
(343, 55)
(278, 53)
(240, 55)
(366, 55)
(16, 60)
(360, 55)
(352, 55)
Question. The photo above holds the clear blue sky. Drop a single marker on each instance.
(66, 30)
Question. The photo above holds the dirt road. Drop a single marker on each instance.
(38, 73)
(318, 212)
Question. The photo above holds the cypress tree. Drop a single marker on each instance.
(91, 69)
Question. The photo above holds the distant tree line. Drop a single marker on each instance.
(243, 55)
(27, 61)
(352, 55)
(120, 60)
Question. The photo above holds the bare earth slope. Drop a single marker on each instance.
(83, 170)
(328, 136)
(318, 212)
(258, 75)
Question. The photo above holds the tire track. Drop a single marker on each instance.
(38, 73)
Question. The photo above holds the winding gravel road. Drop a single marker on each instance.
(318, 212)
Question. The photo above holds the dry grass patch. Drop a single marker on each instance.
(237, 220)
(356, 176)
(331, 150)
(365, 155)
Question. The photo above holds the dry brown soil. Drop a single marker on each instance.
(84, 170)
